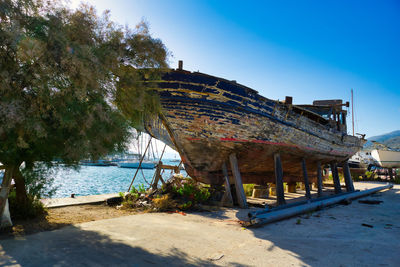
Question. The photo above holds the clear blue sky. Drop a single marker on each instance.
(305, 49)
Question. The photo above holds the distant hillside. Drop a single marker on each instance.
(391, 140)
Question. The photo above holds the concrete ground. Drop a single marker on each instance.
(330, 237)
(78, 200)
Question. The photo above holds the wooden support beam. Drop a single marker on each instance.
(347, 177)
(319, 179)
(305, 176)
(336, 180)
(162, 180)
(280, 194)
(170, 167)
(227, 197)
(157, 175)
(238, 181)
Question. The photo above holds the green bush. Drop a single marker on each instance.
(248, 189)
(39, 180)
(190, 189)
(31, 209)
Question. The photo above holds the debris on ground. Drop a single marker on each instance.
(114, 201)
(388, 226)
(367, 225)
(370, 201)
(176, 194)
(216, 257)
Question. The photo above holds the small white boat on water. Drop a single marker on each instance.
(146, 164)
(386, 158)
(98, 163)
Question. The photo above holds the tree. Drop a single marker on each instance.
(59, 74)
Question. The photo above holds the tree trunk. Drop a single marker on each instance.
(5, 189)
(20, 188)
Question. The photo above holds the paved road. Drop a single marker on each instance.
(331, 237)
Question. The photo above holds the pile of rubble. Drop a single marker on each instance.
(177, 193)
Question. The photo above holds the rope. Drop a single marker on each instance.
(140, 164)
(152, 150)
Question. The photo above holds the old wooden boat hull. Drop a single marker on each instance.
(208, 118)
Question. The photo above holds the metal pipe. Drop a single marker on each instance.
(295, 204)
(296, 210)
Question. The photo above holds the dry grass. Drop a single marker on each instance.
(60, 217)
(164, 203)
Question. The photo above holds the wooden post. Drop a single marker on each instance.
(292, 187)
(238, 181)
(272, 190)
(227, 198)
(305, 176)
(336, 180)
(157, 175)
(4, 190)
(280, 194)
(319, 179)
(347, 177)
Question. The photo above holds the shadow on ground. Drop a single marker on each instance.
(341, 235)
(331, 237)
(30, 226)
(76, 247)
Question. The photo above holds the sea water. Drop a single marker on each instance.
(95, 180)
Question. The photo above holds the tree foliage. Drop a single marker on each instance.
(63, 73)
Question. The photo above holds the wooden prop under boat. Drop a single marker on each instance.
(207, 118)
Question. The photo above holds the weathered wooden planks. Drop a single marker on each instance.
(212, 118)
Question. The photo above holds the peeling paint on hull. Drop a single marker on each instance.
(207, 118)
